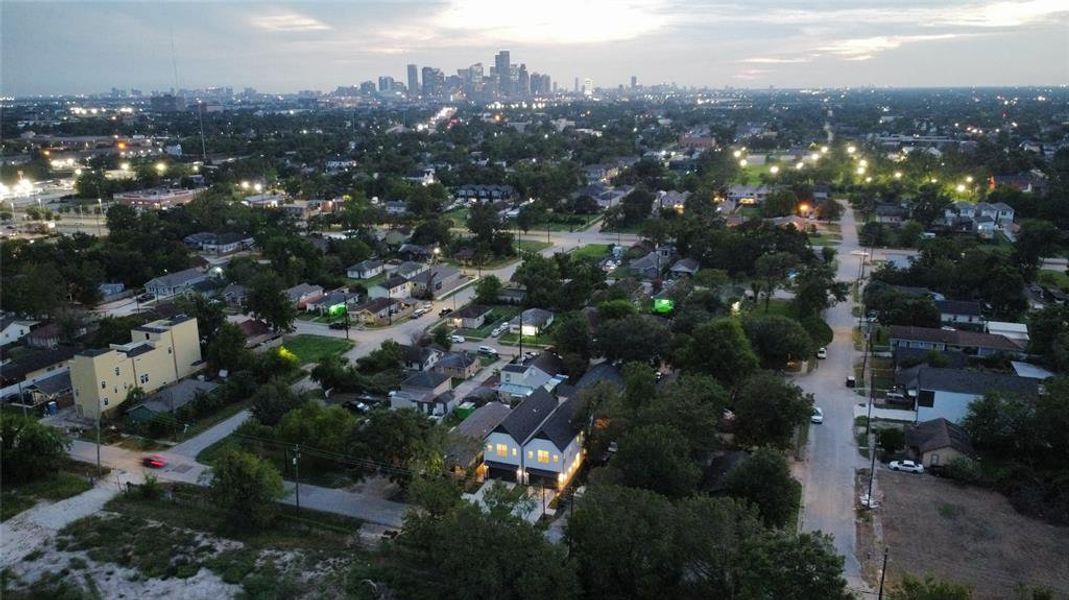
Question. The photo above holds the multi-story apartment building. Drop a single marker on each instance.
(158, 354)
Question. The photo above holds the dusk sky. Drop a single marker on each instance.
(91, 46)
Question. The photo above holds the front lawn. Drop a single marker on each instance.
(592, 251)
(313, 348)
(500, 314)
(1056, 279)
(531, 245)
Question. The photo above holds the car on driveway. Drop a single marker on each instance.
(906, 465)
(154, 461)
(444, 312)
(146, 297)
(457, 339)
(822, 353)
(337, 325)
(817, 416)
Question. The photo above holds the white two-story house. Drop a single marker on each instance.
(540, 441)
(544, 372)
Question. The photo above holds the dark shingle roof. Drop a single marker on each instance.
(953, 337)
(425, 379)
(548, 363)
(603, 371)
(471, 311)
(938, 433)
(17, 369)
(525, 419)
(563, 425)
(483, 420)
(974, 382)
(958, 307)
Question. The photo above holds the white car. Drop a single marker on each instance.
(817, 416)
(488, 350)
(906, 465)
(457, 339)
(822, 353)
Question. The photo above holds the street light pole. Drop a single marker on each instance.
(297, 473)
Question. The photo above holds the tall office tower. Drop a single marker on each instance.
(367, 87)
(428, 82)
(588, 87)
(634, 82)
(413, 80)
(548, 85)
(503, 68)
(385, 83)
(576, 90)
(523, 82)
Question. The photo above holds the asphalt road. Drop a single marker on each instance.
(831, 455)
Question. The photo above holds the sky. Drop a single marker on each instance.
(90, 46)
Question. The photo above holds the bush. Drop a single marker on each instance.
(890, 440)
(965, 470)
(151, 489)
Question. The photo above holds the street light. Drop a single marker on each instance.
(851, 149)
(960, 187)
(244, 185)
(742, 163)
(259, 187)
(161, 168)
(773, 169)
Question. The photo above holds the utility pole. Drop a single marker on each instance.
(100, 412)
(883, 573)
(297, 473)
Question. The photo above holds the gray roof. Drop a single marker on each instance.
(17, 369)
(974, 382)
(525, 419)
(548, 363)
(417, 353)
(563, 425)
(533, 316)
(937, 434)
(177, 395)
(600, 372)
(472, 311)
(954, 337)
(365, 265)
(435, 272)
(485, 418)
(55, 384)
(302, 289)
(425, 379)
(178, 278)
(688, 265)
(457, 360)
(958, 307)
(392, 282)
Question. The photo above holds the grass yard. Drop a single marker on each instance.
(777, 306)
(825, 239)
(966, 534)
(60, 486)
(513, 339)
(532, 245)
(592, 251)
(1054, 278)
(313, 348)
(499, 315)
(459, 216)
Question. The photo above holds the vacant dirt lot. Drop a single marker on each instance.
(966, 534)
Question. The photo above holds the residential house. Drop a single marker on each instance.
(748, 195)
(111, 290)
(365, 269)
(53, 388)
(18, 375)
(170, 399)
(396, 207)
(420, 358)
(960, 312)
(649, 266)
(303, 293)
(969, 342)
(519, 380)
(428, 392)
(174, 284)
(234, 295)
(416, 252)
(917, 292)
(531, 322)
(472, 316)
(671, 199)
(218, 244)
(461, 365)
(465, 448)
(259, 336)
(395, 286)
(539, 441)
(1018, 332)
(485, 193)
(380, 311)
(1024, 369)
(891, 214)
(45, 336)
(1027, 182)
(684, 267)
(603, 372)
(336, 302)
(435, 282)
(938, 442)
(512, 293)
(410, 269)
(947, 393)
(13, 330)
(159, 353)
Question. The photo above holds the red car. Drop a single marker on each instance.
(154, 461)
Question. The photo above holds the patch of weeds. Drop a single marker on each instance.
(76, 563)
(950, 511)
(32, 556)
(154, 550)
(269, 584)
(185, 570)
(233, 565)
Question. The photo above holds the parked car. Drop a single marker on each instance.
(444, 312)
(822, 353)
(154, 461)
(146, 297)
(906, 465)
(357, 407)
(457, 339)
(419, 312)
(498, 330)
(817, 416)
(851, 381)
(489, 351)
(337, 325)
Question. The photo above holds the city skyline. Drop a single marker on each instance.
(284, 47)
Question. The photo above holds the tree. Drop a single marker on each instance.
(773, 269)
(786, 566)
(890, 439)
(616, 309)
(1036, 239)
(693, 406)
(779, 203)
(246, 487)
(719, 348)
(31, 450)
(622, 542)
(633, 339)
(764, 479)
(636, 207)
(711, 534)
(209, 315)
(267, 300)
(226, 349)
(929, 588)
(542, 278)
(404, 442)
(829, 210)
(442, 337)
(572, 335)
(657, 458)
(816, 290)
(778, 340)
(273, 400)
(769, 409)
(487, 290)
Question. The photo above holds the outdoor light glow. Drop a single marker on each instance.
(259, 187)
(803, 208)
(968, 179)
(814, 157)
(77, 171)
(799, 165)
(742, 163)
(851, 149)
(773, 169)
(960, 187)
(161, 167)
(861, 170)
(863, 162)
(244, 185)
(898, 174)
(934, 180)
(868, 180)
(823, 149)
(125, 166)
(737, 153)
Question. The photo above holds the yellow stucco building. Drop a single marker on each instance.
(158, 354)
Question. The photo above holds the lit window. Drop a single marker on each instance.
(502, 450)
(556, 458)
(489, 447)
(543, 456)
(530, 454)
(513, 452)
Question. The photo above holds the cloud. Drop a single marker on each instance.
(289, 22)
(771, 60)
(750, 74)
(866, 48)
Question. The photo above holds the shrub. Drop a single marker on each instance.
(151, 489)
(965, 470)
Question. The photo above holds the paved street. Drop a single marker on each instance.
(831, 457)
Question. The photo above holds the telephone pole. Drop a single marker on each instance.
(883, 573)
(297, 473)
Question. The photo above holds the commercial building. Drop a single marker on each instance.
(159, 353)
(157, 198)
